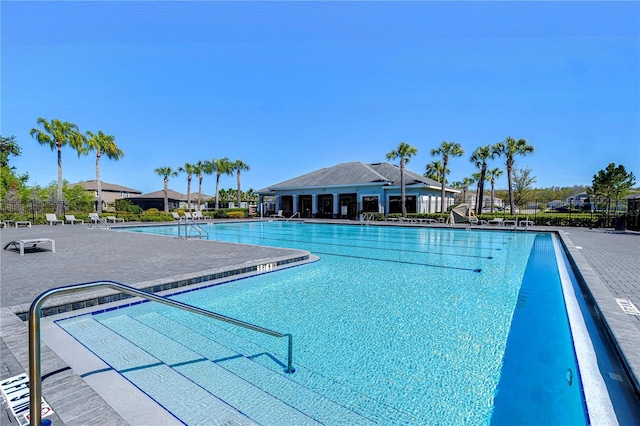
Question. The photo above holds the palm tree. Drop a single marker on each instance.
(479, 158)
(493, 174)
(466, 183)
(404, 153)
(201, 168)
(166, 172)
(433, 170)
(189, 169)
(510, 148)
(222, 166)
(102, 144)
(446, 150)
(57, 134)
(477, 177)
(239, 166)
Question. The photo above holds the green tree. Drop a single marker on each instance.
(493, 174)
(8, 146)
(190, 170)
(57, 134)
(11, 184)
(102, 144)
(404, 152)
(446, 150)
(523, 181)
(477, 178)
(479, 157)
(166, 172)
(509, 148)
(433, 170)
(250, 195)
(221, 166)
(202, 168)
(240, 166)
(612, 183)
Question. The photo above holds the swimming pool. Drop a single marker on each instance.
(392, 326)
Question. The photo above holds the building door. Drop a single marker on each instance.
(305, 205)
(325, 205)
(348, 204)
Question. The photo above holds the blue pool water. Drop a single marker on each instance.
(391, 326)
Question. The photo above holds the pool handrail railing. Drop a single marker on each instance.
(35, 378)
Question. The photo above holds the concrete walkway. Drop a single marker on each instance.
(609, 264)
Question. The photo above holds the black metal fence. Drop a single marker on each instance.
(617, 215)
(35, 211)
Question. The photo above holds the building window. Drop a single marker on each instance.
(395, 204)
(370, 204)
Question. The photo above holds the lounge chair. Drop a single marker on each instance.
(72, 219)
(175, 215)
(279, 214)
(114, 219)
(187, 216)
(496, 221)
(33, 243)
(52, 219)
(197, 215)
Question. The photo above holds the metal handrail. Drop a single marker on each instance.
(195, 226)
(292, 216)
(35, 378)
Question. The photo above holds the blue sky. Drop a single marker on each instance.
(292, 87)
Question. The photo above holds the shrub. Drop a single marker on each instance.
(236, 214)
(152, 211)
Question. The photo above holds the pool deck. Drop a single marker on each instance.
(608, 262)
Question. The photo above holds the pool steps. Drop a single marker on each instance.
(228, 373)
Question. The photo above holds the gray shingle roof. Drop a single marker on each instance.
(354, 173)
(92, 185)
(173, 195)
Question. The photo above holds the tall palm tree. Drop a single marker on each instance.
(433, 170)
(404, 152)
(509, 148)
(477, 177)
(190, 170)
(493, 174)
(239, 166)
(221, 166)
(166, 172)
(446, 150)
(480, 157)
(466, 183)
(102, 144)
(202, 168)
(57, 134)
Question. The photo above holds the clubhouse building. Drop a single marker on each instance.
(347, 189)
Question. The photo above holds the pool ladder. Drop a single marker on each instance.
(35, 374)
(367, 218)
(200, 231)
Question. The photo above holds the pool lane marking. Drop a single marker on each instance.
(401, 261)
(365, 247)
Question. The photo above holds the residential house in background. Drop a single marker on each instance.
(110, 192)
(555, 204)
(346, 189)
(578, 200)
(472, 199)
(177, 200)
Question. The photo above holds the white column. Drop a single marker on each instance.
(314, 204)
